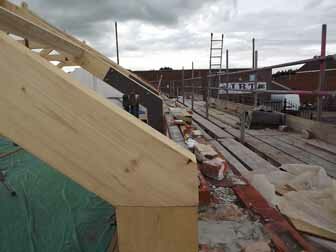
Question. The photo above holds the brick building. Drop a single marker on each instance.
(172, 81)
(307, 78)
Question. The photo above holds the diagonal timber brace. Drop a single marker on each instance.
(22, 22)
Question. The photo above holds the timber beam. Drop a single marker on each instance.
(58, 57)
(21, 22)
(14, 24)
(45, 52)
(31, 44)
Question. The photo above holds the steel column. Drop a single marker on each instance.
(152, 102)
(321, 85)
(183, 85)
(117, 43)
(256, 78)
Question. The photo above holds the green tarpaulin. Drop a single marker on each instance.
(50, 211)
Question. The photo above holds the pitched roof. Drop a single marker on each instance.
(311, 66)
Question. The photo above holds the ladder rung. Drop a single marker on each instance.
(216, 56)
(216, 40)
(216, 48)
(215, 64)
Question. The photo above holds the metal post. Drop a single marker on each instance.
(242, 126)
(256, 78)
(220, 69)
(117, 44)
(210, 53)
(183, 85)
(207, 100)
(192, 69)
(253, 53)
(321, 85)
(227, 76)
(209, 81)
(173, 89)
(159, 84)
(169, 90)
(192, 94)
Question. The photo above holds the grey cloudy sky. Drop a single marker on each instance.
(156, 33)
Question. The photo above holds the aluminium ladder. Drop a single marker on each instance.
(215, 64)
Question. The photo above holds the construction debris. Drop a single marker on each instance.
(307, 134)
(283, 128)
(215, 168)
(204, 152)
(181, 114)
(258, 246)
(227, 212)
(224, 195)
(196, 133)
(232, 236)
(308, 197)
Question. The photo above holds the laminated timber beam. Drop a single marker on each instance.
(150, 180)
(22, 22)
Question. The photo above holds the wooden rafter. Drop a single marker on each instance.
(101, 147)
(12, 23)
(77, 116)
(22, 22)
(151, 181)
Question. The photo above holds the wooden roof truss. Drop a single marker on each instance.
(150, 180)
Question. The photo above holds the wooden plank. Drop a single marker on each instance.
(270, 152)
(201, 111)
(205, 135)
(262, 148)
(22, 27)
(308, 148)
(212, 129)
(231, 159)
(231, 118)
(312, 229)
(279, 155)
(300, 154)
(248, 157)
(266, 132)
(321, 145)
(225, 118)
(322, 131)
(153, 229)
(87, 138)
(176, 135)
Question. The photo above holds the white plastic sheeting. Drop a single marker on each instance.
(308, 197)
(90, 81)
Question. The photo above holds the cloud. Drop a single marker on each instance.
(313, 4)
(155, 33)
(74, 13)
